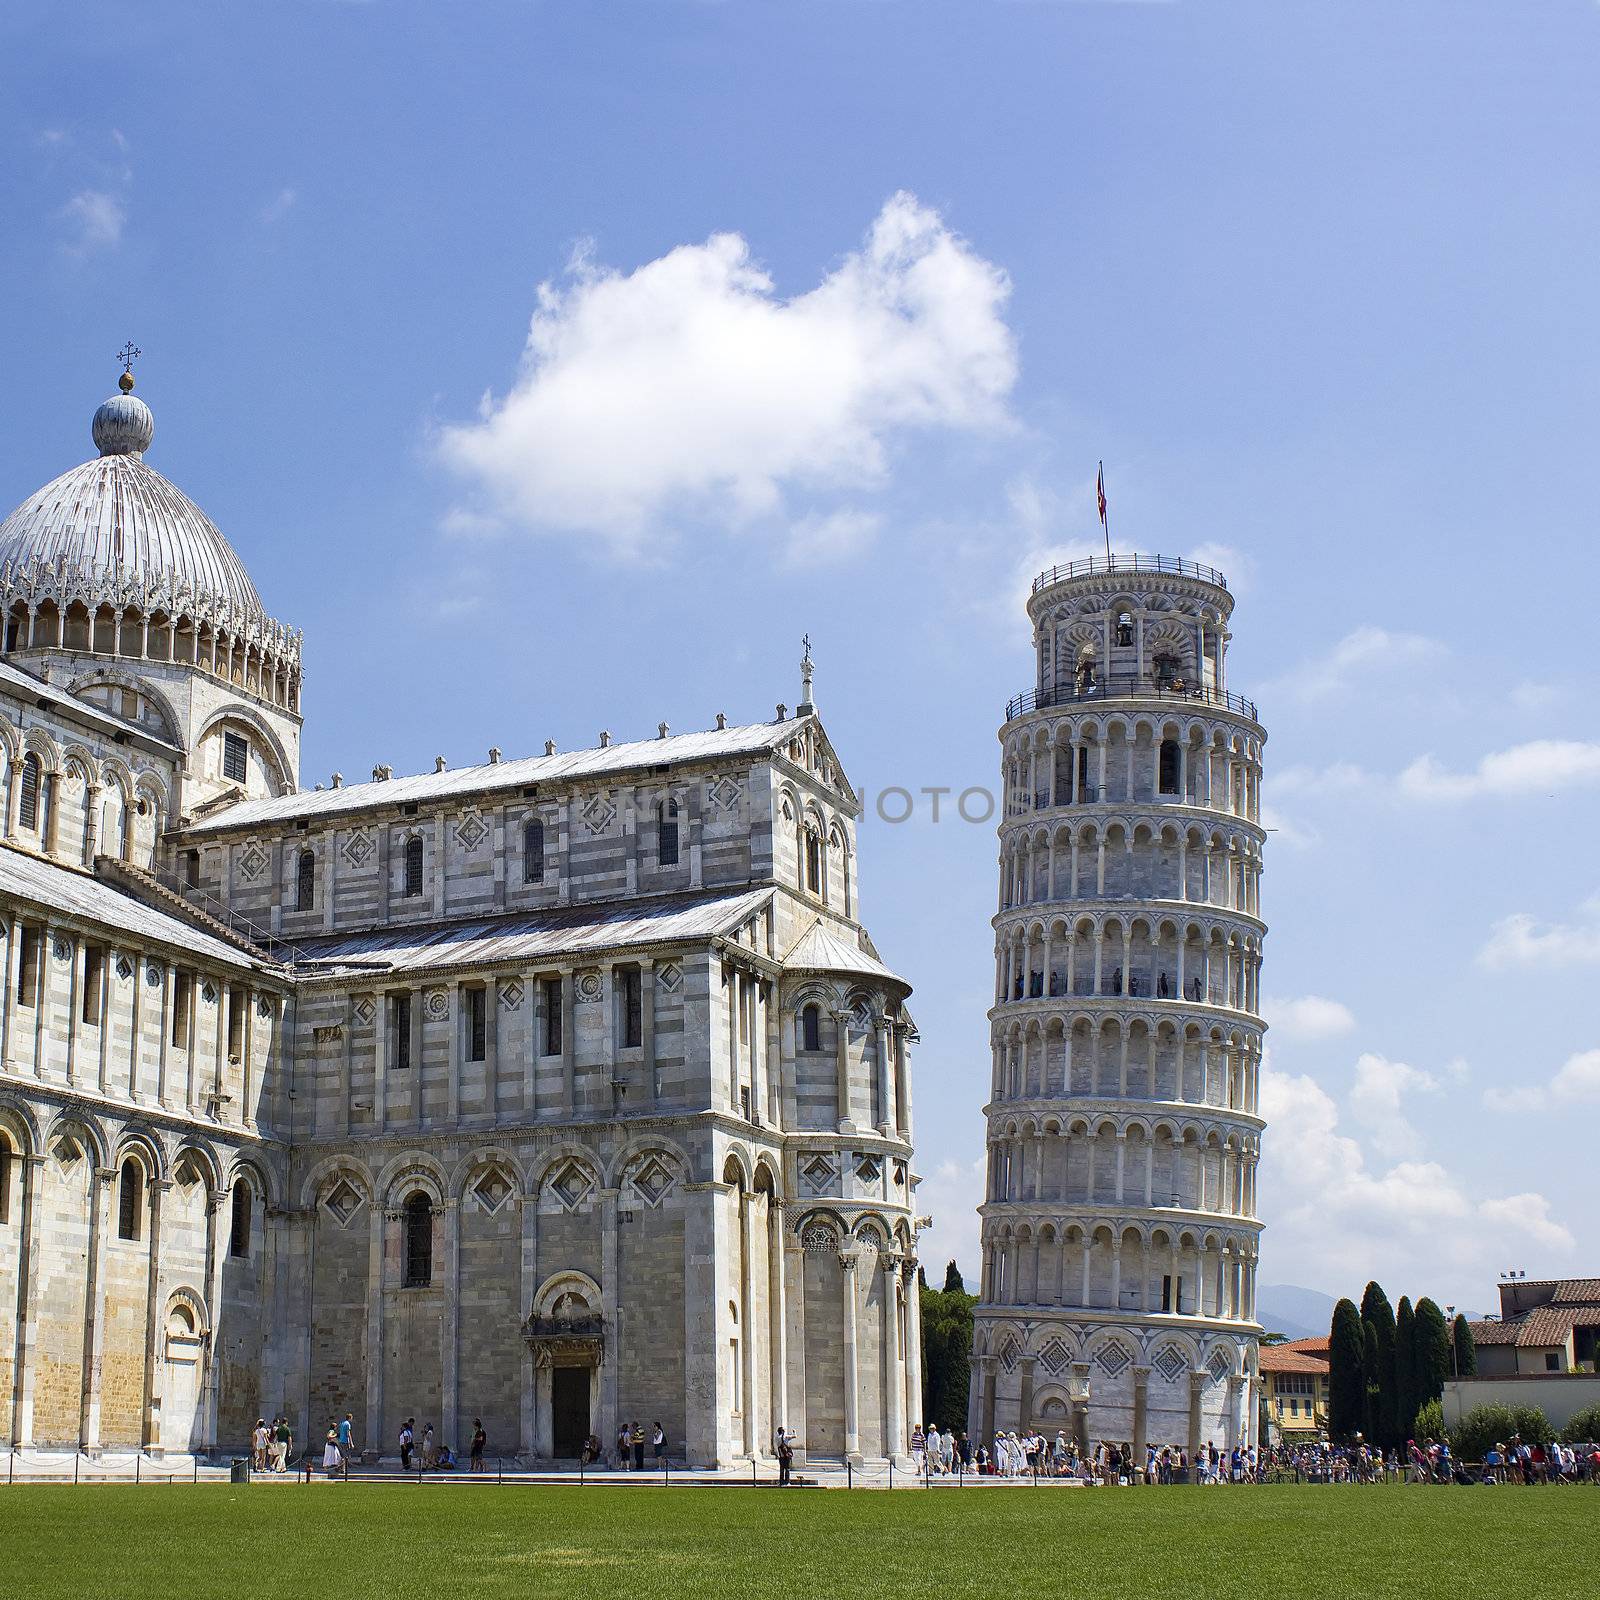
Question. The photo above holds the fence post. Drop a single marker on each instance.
(499, 1470)
(138, 1459)
(196, 1460)
(891, 1471)
(849, 1480)
(752, 1471)
(580, 1469)
(77, 1456)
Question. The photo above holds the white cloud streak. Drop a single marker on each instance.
(688, 386)
(1541, 766)
(1308, 1018)
(1521, 940)
(1577, 1082)
(95, 219)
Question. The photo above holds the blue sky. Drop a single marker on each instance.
(834, 307)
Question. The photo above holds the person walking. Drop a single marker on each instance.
(658, 1444)
(785, 1458)
(332, 1457)
(622, 1446)
(259, 1445)
(636, 1442)
(280, 1449)
(479, 1440)
(345, 1438)
(407, 1438)
(430, 1454)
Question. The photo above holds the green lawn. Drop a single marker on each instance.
(218, 1542)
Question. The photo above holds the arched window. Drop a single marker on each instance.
(419, 1241)
(1169, 674)
(533, 852)
(414, 867)
(130, 1197)
(305, 881)
(667, 833)
(28, 806)
(1170, 766)
(811, 1028)
(5, 1182)
(239, 1229)
(813, 862)
(1124, 630)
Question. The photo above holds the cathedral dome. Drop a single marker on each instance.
(116, 528)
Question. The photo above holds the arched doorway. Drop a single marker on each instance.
(566, 1335)
(180, 1389)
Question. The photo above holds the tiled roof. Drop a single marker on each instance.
(1315, 1346)
(1540, 1328)
(1494, 1332)
(1280, 1358)
(30, 687)
(1576, 1291)
(56, 888)
(753, 739)
(530, 936)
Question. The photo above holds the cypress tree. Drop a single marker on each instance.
(952, 1279)
(1466, 1351)
(1371, 1381)
(1405, 1368)
(1378, 1316)
(1432, 1345)
(1347, 1349)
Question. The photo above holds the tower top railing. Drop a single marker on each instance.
(1129, 686)
(1103, 566)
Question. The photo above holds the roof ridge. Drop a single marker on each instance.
(135, 880)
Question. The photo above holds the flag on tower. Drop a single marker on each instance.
(1100, 496)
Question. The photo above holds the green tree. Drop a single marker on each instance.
(1385, 1413)
(1484, 1426)
(1466, 1352)
(1583, 1427)
(947, 1318)
(1347, 1393)
(1429, 1422)
(1432, 1351)
(1371, 1381)
(1405, 1365)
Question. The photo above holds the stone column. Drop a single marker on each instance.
(1025, 1400)
(29, 1273)
(747, 1329)
(886, 1084)
(216, 1245)
(902, 1084)
(375, 1297)
(987, 1367)
(647, 1029)
(148, 1433)
(569, 1029)
(534, 1440)
(841, 1020)
(1141, 1417)
(913, 1350)
(1078, 1395)
(612, 1309)
(449, 1421)
(454, 1028)
(852, 1359)
(777, 1316)
(94, 1333)
(702, 1251)
(380, 1059)
(1197, 1383)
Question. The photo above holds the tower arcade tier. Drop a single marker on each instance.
(1119, 1218)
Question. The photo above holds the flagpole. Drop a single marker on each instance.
(1105, 515)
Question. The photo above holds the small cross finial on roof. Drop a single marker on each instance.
(127, 355)
(805, 675)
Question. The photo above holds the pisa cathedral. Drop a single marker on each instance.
(560, 1091)
(1119, 1220)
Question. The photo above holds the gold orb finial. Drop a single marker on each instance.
(125, 383)
(127, 355)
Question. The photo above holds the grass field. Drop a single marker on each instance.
(218, 1542)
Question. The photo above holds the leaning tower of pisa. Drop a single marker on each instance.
(1119, 1218)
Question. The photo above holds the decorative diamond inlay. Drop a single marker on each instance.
(342, 1202)
(511, 995)
(253, 861)
(868, 1170)
(669, 977)
(570, 1184)
(365, 1011)
(1170, 1363)
(724, 793)
(598, 813)
(358, 848)
(1219, 1365)
(208, 993)
(471, 831)
(1113, 1359)
(819, 1172)
(1054, 1356)
(1008, 1356)
(653, 1180)
(492, 1190)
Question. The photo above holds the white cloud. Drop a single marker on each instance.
(1375, 1100)
(951, 1194)
(1308, 1017)
(1364, 652)
(1338, 1221)
(96, 219)
(688, 385)
(1520, 940)
(828, 538)
(1576, 1082)
(279, 206)
(1539, 766)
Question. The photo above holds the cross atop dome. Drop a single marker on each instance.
(127, 355)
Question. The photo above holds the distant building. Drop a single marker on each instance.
(1294, 1389)
(1549, 1326)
